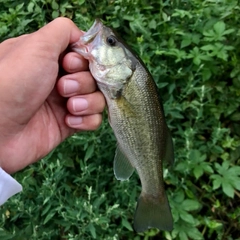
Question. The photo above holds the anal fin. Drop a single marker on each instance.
(123, 169)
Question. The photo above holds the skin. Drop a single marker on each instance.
(39, 107)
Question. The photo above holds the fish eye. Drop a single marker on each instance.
(111, 40)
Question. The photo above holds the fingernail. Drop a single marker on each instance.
(70, 86)
(74, 121)
(79, 104)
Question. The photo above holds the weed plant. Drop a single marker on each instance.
(192, 49)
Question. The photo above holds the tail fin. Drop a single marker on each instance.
(152, 213)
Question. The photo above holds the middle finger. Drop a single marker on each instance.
(76, 83)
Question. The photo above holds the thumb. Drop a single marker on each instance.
(59, 34)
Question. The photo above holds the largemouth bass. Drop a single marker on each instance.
(137, 119)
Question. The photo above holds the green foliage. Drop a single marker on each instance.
(192, 49)
(227, 177)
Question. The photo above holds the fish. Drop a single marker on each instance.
(137, 118)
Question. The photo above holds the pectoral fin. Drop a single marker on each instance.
(123, 169)
(115, 92)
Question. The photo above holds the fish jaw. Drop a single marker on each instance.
(88, 40)
(92, 32)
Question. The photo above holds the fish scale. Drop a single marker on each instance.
(137, 119)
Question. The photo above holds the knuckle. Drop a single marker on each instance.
(63, 20)
(101, 101)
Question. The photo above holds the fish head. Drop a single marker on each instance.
(110, 61)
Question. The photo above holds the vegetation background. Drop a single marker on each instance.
(192, 49)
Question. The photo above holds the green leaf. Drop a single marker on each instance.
(183, 236)
(162, 84)
(126, 224)
(179, 196)
(5, 234)
(228, 189)
(152, 24)
(81, 2)
(197, 60)
(194, 233)
(228, 178)
(198, 172)
(217, 181)
(219, 27)
(55, 14)
(196, 38)
(19, 6)
(89, 152)
(187, 217)
(208, 168)
(208, 47)
(213, 224)
(30, 7)
(46, 209)
(49, 217)
(92, 230)
(235, 116)
(186, 42)
(55, 5)
(226, 32)
(190, 205)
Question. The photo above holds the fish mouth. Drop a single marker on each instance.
(82, 46)
(92, 32)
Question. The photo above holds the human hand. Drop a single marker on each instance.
(37, 112)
